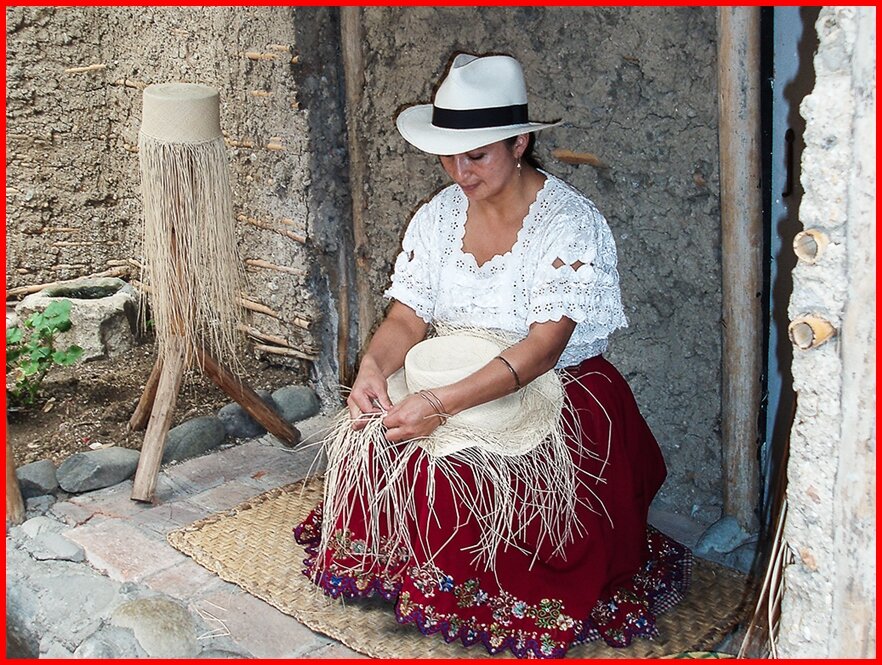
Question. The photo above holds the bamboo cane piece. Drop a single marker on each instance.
(247, 398)
(169, 384)
(141, 416)
(15, 509)
(809, 331)
(810, 244)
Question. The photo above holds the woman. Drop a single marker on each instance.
(507, 247)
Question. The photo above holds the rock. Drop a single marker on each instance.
(37, 478)
(193, 437)
(722, 536)
(239, 423)
(296, 403)
(163, 627)
(39, 505)
(742, 557)
(110, 642)
(37, 526)
(55, 547)
(95, 469)
(102, 314)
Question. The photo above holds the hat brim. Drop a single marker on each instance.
(539, 415)
(415, 125)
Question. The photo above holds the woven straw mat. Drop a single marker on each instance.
(253, 546)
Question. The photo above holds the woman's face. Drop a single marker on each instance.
(485, 171)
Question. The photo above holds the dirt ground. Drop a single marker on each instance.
(88, 406)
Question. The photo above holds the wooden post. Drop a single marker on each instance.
(247, 398)
(352, 38)
(161, 416)
(141, 416)
(738, 74)
(15, 508)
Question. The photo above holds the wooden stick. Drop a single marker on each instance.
(141, 416)
(33, 288)
(260, 263)
(269, 227)
(247, 398)
(15, 508)
(254, 332)
(258, 307)
(88, 68)
(254, 55)
(570, 157)
(284, 351)
(170, 378)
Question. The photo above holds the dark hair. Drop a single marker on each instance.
(529, 157)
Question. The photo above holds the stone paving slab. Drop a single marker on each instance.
(128, 557)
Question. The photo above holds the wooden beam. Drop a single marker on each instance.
(352, 40)
(171, 374)
(141, 416)
(738, 74)
(247, 398)
(15, 508)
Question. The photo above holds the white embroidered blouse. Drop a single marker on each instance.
(442, 283)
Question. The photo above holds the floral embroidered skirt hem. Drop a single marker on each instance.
(610, 583)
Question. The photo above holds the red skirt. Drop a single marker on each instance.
(610, 583)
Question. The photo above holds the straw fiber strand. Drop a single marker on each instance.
(253, 546)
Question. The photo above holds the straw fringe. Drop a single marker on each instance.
(370, 481)
(190, 258)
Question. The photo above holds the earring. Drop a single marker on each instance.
(519, 166)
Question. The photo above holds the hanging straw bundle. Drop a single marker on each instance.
(190, 259)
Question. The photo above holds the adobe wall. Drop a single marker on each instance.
(636, 87)
(828, 607)
(75, 77)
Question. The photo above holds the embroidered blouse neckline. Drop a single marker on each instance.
(496, 259)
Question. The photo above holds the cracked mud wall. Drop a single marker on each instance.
(828, 607)
(75, 77)
(637, 88)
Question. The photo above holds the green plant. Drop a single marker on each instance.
(31, 352)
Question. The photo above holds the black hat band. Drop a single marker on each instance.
(498, 116)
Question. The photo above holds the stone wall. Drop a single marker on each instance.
(828, 607)
(75, 77)
(636, 87)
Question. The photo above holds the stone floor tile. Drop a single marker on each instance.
(165, 517)
(257, 627)
(187, 581)
(223, 497)
(123, 552)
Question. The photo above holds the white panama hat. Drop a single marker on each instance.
(511, 425)
(481, 100)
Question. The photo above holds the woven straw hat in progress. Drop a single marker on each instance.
(511, 425)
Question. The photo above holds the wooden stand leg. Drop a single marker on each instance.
(247, 398)
(160, 420)
(15, 509)
(141, 416)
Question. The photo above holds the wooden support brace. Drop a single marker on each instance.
(247, 398)
(170, 378)
(141, 416)
(15, 509)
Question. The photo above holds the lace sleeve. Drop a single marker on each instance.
(413, 280)
(577, 276)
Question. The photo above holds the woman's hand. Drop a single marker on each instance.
(369, 394)
(412, 418)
